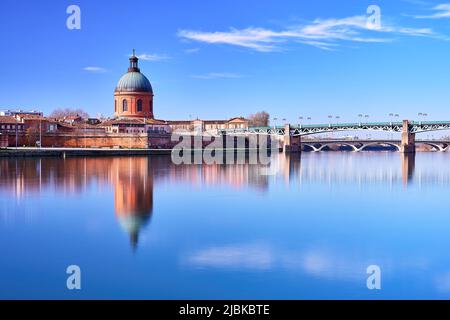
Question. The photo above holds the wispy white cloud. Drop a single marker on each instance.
(417, 2)
(317, 262)
(95, 69)
(237, 256)
(153, 57)
(193, 50)
(441, 11)
(217, 75)
(322, 33)
(254, 38)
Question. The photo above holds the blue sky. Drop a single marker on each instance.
(219, 59)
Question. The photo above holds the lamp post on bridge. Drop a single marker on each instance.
(391, 116)
(367, 120)
(394, 115)
(300, 120)
(422, 115)
(397, 116)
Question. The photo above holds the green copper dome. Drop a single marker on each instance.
(134, 80)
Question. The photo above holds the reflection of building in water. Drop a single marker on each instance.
(133, 194)
(131, 177)
(237, 175)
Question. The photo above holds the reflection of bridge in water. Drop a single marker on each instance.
(342, 170)
(363, 168)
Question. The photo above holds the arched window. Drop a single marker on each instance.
(125, 105)
(139, 105)
(115, 105)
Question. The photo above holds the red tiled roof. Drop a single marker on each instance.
(178, 121)
(81, 125)
(174, 122)
(34, 119)
(30, 117)
(142, 121)
(215, 121)
(8, 120)
(238, 118)
(122, 121)
(156, 121)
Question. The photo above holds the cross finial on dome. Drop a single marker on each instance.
(134, 52)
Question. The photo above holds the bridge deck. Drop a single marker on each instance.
(308, 129)
(357, 124)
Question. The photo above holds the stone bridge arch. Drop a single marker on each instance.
(441, 148)
(320, 146)
(380, 143)
(311, 146)
(343, 144)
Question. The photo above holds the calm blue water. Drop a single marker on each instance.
(142, 227)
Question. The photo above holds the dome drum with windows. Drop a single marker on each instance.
(133, 96)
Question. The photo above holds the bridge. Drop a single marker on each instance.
(358, 145)
(292, 134)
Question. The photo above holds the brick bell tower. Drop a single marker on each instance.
(133, 96)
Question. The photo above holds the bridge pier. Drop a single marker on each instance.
(408, 144)
(292, 144)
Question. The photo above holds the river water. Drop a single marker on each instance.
(300, 228)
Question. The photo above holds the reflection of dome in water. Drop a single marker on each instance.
(133, 223)
(133, 195)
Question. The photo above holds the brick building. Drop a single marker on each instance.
(208, 126)
(133, 96)
(133, 125)
(4, 143)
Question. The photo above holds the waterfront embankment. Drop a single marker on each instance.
(78, 152)
(100, 152)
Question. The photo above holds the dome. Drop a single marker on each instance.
(134, 81)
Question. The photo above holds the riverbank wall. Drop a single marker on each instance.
(78, 152)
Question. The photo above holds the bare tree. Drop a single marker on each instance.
(67, 112)
(259, 119)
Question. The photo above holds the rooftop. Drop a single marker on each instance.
(8, 120)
